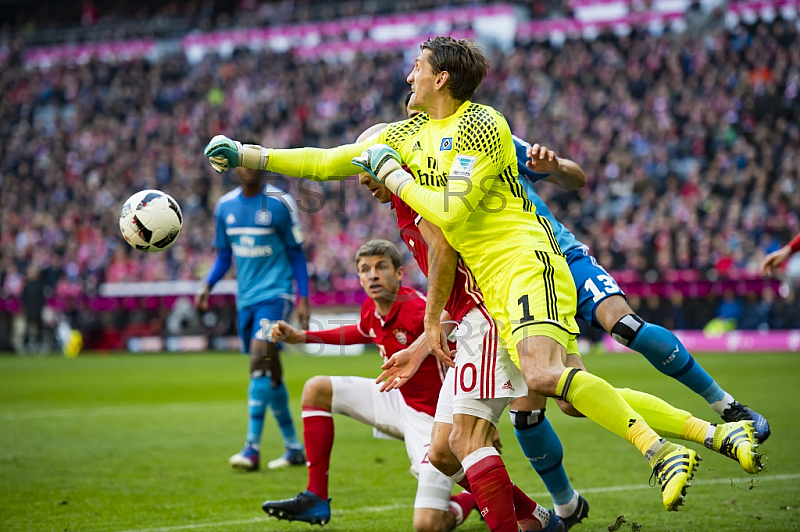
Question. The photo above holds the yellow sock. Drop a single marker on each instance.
(599, 401)
(641, 436)
(696, 430)
(664, 418)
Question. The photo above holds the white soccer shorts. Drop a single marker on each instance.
(484, 379)
(361, 399)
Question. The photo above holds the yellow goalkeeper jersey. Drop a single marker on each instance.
(465, 173)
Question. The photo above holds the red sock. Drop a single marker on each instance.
(492, 489)
(524, 506)
(318, 437)
(466, 502)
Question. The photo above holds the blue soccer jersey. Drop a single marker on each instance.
(258, 231)
(566, 240)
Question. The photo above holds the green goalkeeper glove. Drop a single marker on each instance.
(224, 153)
(384, 164)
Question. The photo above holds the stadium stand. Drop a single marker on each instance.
(690, 141)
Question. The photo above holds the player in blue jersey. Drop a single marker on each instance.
(258, 227)
(602, 303)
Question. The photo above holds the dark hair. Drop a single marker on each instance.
(382, 248)
(463, 60)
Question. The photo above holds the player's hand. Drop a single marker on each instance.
(283, 332)
(223, 153)
(385, 166)
(496, 443)
(398, 370)
(303, 312)
(202, 297)
(542, 160)
(774, 260)
(437, 343)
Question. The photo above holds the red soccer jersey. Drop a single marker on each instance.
(394, 332)
(465, 294)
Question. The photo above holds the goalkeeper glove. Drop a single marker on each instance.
(224, 153)
(385, 166)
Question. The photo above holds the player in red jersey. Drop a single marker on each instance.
(392, 318)
(777, 258)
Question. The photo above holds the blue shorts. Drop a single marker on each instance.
(592, 282)
(255, 321)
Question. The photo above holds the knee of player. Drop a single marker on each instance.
(318, 392)
(440, 457)
(627, 328)
(543, 382)
(430, 520)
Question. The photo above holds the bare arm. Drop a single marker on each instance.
(561, 171)
(442, 259)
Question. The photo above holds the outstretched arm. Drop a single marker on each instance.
(312, 163)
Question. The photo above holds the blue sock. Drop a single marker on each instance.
(259, 395)
(280, 409)
(666, 353)
(542, 448)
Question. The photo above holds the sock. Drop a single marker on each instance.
(491, 488)
(529, 515)
(283, 415)
(720, 406)
(318, 435)
(565, 510)
(524, 506)
(461, 504)
(258, 397)
(599, 401)
(542, 448)
(668, 355)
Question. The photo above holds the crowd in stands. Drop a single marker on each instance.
(691, 147)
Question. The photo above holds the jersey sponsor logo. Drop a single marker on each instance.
(447, 144)
(401, 336)
(463, 165)
(263, 217)
(251, 251)
(230, 219)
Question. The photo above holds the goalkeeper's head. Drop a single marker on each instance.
(446, 73)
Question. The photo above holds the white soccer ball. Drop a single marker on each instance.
(150, 221)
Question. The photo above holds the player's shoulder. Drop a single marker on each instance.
(397, 132)
(280, 200)
(411, 296)
(481, 127)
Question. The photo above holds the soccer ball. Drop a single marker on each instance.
(150, 220)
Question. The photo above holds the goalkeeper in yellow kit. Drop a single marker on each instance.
(464, 179)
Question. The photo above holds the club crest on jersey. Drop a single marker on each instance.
(263, 217)
(401, 336)
(447, 144)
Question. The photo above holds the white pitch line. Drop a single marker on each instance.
(695, 482)
(374, 509)
(114, 410)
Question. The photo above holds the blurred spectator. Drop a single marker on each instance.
(32, 301)
(691, 146)
(757, 311)
(786, 312)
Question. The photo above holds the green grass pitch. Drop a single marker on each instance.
(140, 442)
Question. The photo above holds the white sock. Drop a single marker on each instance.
(720, 406)
(565, 510)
